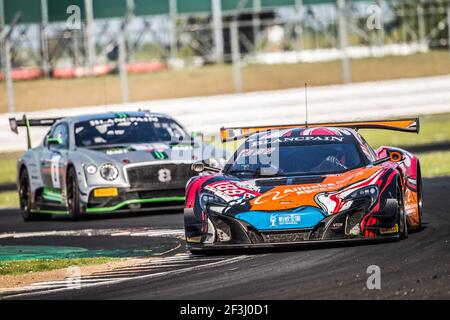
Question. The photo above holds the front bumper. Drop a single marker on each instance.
(228, 232)
(132, 200)
(198, 248)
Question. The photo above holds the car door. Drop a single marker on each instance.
(54, 157)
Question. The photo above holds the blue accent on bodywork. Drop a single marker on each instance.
(303, 217)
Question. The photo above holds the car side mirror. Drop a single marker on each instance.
(396, 156)
(392, 155)
(204, 165)
(197, 135)
(54, 141)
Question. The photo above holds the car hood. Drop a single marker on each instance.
(140, 153)
(291, 193)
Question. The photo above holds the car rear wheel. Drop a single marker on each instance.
(420, 197)
(73, 195)
(25, 197)
(401, 214)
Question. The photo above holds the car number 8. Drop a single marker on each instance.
(164, 175)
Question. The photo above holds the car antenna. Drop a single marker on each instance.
(306, 105)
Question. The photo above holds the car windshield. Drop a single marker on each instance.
(126, 130)
(300, 158)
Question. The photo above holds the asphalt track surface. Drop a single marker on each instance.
(415, 268)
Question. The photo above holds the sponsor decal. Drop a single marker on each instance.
(159, 155)
(293, 219)
(233, 190)
(299, 190)
(394, 229)
(304, 217)
(337, 225)
(116, 151)
(267, 141)
(111, 121)
(309, 138)
(308, 189)
(273, 220)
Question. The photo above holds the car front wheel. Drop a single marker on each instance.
(73, 195)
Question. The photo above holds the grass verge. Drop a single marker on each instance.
(9, 199)
(212, 80)
(435, 164)
(28, 266)
(8, 167)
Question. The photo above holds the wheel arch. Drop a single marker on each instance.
(79, 173)
(22, 166)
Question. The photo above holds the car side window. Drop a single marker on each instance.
(61, 131)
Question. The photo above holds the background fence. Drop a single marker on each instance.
(72, 38)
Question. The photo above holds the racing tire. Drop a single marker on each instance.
(420, 197)
(73, 195)
(401, 214)
(25, 197)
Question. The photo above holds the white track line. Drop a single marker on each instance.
(117, 281)
(97, 232)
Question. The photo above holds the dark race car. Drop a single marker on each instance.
(290, 185)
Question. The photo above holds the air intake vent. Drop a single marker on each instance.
(159, 176)
(297, 236)
(289, 180)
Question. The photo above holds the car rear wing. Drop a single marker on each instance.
(14, 124)
(404, 125)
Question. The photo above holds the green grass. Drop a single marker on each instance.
(9, 199)
(434, 128)
(29, 266)
(8, 167)
(435, 164)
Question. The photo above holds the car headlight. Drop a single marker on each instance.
(370, 192)
(91, 169)
(109, 172)
(212, 203)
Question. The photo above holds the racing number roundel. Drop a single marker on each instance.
(54, 170)
(164, 175)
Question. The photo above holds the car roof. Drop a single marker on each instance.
(108, 115)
